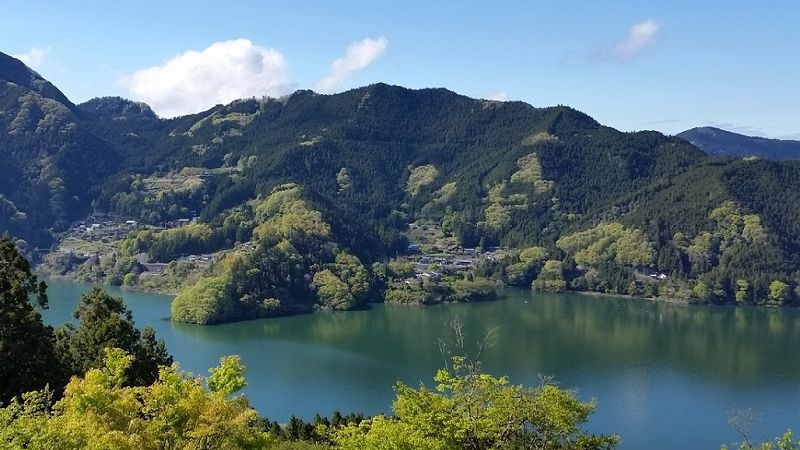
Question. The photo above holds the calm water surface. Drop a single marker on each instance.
(664, 376)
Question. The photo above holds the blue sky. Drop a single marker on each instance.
(632, 65)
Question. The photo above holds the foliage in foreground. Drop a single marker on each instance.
(105, 322)
(27, 359)
(468, 409)
(784, 442)
(473, 410)
(32, 355)
(99, 412)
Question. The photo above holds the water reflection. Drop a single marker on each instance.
(654, 367)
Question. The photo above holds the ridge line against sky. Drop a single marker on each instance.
(668, 66)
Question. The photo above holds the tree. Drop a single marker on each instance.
(27, 358)
(469, 409)
(702, 291)
(98, 411)
(105, 322)
(778, 292)
(331, 291)
(551, 278)
(228, 377)
(742, 291)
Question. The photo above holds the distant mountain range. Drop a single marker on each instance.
(370, 161)
(717, 142)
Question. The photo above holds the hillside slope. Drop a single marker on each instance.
(52, 162)
(717, 142)
(602, 209)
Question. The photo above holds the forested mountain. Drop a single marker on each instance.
(52, 162)
(717, 142)
(309, 190)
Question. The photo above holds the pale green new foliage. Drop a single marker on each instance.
(175, 412)
(343, 179)
(530, 171)
(440, 199)
(541, 136)
(778, 292)
(497, 216)
(228, 377)
(533, 255)
(742, 291)
(753, 231)
(470, 409)
(446, 191)
(702, 291)
(331, 291)
(383, 433)
(785, 442)
(701, 243)
(551, 278)
(350, 270)
(733, 225)
(201, 302)
(530, 260)
(420, 177)
(609, 242)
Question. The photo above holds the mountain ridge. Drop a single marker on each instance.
(369, 162)
(15, 71)
(718, 142)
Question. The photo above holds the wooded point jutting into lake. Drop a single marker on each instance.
(361, 226)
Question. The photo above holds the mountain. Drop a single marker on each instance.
(52, 161)
(717, 142)
(309, 190)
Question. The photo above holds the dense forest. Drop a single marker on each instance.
(307, 201)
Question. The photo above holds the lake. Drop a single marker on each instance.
(664, 375)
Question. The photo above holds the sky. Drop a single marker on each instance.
(632, 65)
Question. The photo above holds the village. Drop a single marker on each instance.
(99, 236)
(434, 264)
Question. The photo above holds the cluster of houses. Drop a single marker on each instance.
(103, 227)
(99, 228)
(100, 225)
(453, 259)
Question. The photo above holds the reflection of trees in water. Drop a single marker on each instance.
(550, 333)
(722, 340)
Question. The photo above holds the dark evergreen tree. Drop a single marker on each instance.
(103, 322)
(27, 359)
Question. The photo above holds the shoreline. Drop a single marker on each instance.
(675, 301)
(69, 279)
(172, 294)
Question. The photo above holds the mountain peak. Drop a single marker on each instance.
(117, 108)
(718, 142)
(16, 72)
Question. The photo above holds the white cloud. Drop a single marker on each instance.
(501, 96)
(223, 72)
(641, 36)
(34, 57)
(359, 55)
